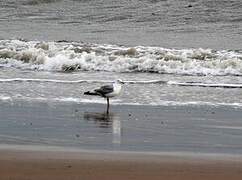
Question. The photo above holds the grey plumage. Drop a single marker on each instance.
(107, 91)
(102, 91)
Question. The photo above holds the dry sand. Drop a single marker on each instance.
(64, 165)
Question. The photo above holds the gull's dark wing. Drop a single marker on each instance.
(104, 90)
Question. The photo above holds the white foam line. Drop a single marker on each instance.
(52, 80)
(78, 81)
(222, 85)
(196, 103)
(118, 102)
(147, 82)
(214, 85)
(5, 98)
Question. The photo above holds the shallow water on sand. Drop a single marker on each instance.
(139, 88)
(129, 128)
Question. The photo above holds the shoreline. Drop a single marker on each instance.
(121, 153)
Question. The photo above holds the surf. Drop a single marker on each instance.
(77, 56)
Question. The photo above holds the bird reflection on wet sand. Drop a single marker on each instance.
(103, 119)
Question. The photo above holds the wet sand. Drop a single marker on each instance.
(57, 165)
(199, 129)
(130, 143)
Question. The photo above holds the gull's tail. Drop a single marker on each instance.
(91, 93)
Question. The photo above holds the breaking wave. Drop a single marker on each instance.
(74, 56)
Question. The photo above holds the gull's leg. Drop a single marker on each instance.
(107, 105)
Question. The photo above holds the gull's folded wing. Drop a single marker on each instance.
(104, 90)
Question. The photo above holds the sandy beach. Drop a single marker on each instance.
(178, 113)
(50, 165)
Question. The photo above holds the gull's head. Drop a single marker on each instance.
(119, 81)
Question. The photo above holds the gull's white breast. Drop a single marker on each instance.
(116, 90)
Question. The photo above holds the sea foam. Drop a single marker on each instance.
(73, 56)
(119, 102)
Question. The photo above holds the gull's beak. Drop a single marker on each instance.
(120, 81)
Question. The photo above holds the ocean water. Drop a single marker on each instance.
(164, 23)
(167, 52)
(185, 53)
(62, 71)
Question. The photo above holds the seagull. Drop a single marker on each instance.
(107, 91)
